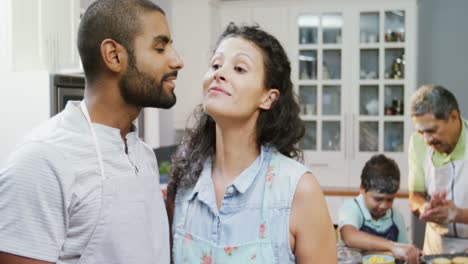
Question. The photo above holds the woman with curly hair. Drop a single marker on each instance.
(240, 196)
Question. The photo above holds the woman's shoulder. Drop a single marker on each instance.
(290, 165)
(293, 178)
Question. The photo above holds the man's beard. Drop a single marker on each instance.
(139, 89)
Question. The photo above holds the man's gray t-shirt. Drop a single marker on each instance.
(50, 188)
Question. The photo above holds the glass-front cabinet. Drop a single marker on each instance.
(354, 75)
(320, 85)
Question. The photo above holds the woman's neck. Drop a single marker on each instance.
(236, 150)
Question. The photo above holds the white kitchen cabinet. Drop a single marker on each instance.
(334, 204)
(354, 70)
(403, 207)
(41, 35)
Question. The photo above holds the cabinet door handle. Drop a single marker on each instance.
(343, 139)
(353, 134)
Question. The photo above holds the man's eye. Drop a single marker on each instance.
(239, 69)
(160, 50)
(215, 66)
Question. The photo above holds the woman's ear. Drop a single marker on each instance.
(270, 97)
(114, 55)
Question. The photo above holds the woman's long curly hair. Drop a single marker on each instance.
(279, 127)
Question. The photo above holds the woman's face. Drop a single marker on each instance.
(233, 86)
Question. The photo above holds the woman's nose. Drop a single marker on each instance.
(219, 74)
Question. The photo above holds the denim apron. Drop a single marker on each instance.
(453, 178)
(132, 212)
(390, 233)
(189, 248)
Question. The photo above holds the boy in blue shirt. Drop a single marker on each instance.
(369, 221)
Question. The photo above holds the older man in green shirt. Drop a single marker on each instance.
(438, 179)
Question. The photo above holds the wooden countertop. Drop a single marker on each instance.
(341, 191)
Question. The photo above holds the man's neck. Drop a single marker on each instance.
(107, 107)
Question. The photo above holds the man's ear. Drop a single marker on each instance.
(362, 190)
(455, 115)
(114, 55)
(269, 98)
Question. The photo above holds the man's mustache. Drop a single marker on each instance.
(168, 75)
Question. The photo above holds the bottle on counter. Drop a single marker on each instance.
(398, 67)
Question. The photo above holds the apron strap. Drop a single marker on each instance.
(271, 173)
(93, 134)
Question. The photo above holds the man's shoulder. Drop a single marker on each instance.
(417, 147)
(417, 141)
(47, 130)
(58, 133)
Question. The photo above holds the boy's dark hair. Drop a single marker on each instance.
(380, 174)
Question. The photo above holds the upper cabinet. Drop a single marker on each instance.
(320, 79)
(353, 66)
(355, 73)
(40, 35)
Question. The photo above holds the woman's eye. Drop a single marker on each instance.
(239, 69)
(160, 50)
(215, 66)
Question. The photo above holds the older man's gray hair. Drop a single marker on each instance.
(433, 99)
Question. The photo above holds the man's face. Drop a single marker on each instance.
(152, 66)
(441, 135)
(378, 203)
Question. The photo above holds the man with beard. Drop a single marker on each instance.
(83, 188)
(438, 174)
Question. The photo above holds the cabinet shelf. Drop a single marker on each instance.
(385, 45)
(308, 46)
(393, 45)
(394, 81)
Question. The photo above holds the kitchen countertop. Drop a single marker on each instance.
(341, 191)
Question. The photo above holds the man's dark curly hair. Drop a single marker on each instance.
(279, 127)
(380, 174)
(119, 20)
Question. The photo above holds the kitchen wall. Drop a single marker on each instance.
(5, 56)
(442, 56)
(33, 41)
(442, 46)
(166, 116)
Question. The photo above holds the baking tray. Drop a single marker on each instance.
(428, 258)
